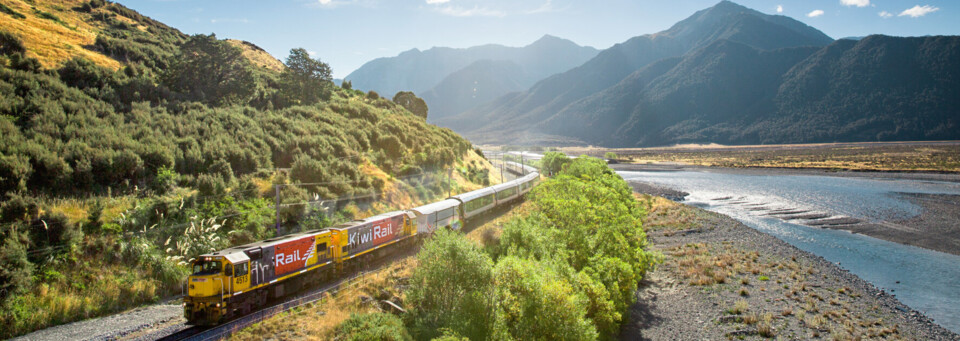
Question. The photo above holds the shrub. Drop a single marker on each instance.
(53, 231)
(451, 288)
(15, 268)
(210, 185)
(534, 302)
(19, 208)
(165, 180)
(553, 162)
(375, 326)
(9, 43)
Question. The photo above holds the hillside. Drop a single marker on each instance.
(122, 160)
(517, 115)
(455, 80)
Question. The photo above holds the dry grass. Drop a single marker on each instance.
(665, 214)
(318, 321)
(89, 289)
(53, 43)
(258, 56)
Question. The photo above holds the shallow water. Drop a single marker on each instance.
(929, 280)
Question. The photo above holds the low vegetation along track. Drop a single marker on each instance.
(311, 295)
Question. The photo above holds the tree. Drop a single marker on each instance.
(535, 303)
(553, 162)
(452, 288)
(211, 71)
(411, 102)
(305, 80)
(348, 85)
(610, 156)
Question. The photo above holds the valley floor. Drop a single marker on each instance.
(721, 279)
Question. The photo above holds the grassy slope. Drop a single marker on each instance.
(53, 42)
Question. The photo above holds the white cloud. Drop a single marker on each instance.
(312, 53)
(325, 2)
(476, 11)
(779, 8)
(885, 14)
(434, 2)
(815, 13)
(919, 11)
(858, 3)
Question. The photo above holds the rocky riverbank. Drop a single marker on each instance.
(721, 279)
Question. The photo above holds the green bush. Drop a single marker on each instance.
(19, 208)
(9, 43)
(372, 327)
(553, 162)
(536, 303)
(16, 269)
(53, 232)
(452, 288)
(210, 185)
(165, 180)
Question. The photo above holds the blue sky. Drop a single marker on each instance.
(348, 33)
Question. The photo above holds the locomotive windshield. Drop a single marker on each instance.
(206, 267)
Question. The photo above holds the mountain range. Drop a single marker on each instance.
(452, 80)
(730, 74)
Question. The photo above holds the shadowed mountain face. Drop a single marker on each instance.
(729, 74)
(454, 80)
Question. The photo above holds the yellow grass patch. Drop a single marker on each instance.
(53, 43)
(258, 56)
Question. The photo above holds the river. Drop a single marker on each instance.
(925, 280)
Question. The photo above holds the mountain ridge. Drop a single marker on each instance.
(726, 20)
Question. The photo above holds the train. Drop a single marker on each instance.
(235, 281)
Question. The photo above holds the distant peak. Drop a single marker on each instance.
(549, 39)
(729, 7)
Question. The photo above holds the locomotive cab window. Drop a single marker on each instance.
(201, 268)
(241, 269)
